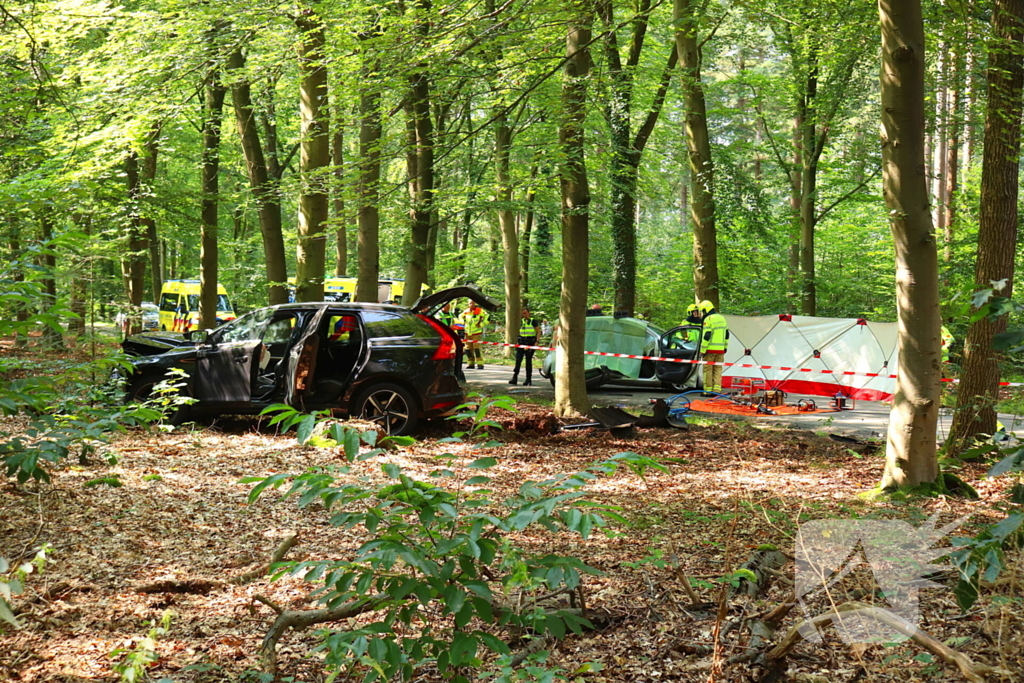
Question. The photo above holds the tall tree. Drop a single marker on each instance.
(214, 92)
(133, 262)
(997, 230)
(570, 388)
(314, 158)
(910, 449)
(264, 188)
(698, 143)
(338, 199)
(371, 133)
(147, 181)
(627, 150)
(421, 161)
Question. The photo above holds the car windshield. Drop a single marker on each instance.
(222, 302)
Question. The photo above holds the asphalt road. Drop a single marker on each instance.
(868, 420)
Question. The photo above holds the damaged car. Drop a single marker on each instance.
(388, 364)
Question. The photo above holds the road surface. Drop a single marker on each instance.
(868, 420)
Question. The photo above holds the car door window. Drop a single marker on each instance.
(249, 327)
(385, 324)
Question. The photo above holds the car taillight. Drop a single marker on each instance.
(446, 349)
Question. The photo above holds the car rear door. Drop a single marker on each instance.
(302, 361)
(680, 342)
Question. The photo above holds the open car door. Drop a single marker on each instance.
(429, 303)
(680, 342)
(302, 361)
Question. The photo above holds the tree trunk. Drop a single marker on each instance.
(507, 225)
(808, 193)
(524, 241)
(997, 230)
(954, 103)
(147, 179)
(80, 284)
(262, 186)
(338, 202)
(133, 263)
(213, 111)
(314, 157)
(570, 389)
(370, 132)
(698, 143)
(17, 257)
(52, 338)
(421, 182)
(910, 450)
(793, 289)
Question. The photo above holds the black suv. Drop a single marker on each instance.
(388, 364)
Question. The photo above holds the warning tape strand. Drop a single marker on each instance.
(783, 368)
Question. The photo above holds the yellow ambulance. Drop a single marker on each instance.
(179, 305)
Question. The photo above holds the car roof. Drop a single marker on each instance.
(348, 305)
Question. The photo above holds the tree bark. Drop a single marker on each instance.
(21, 314)
(370, 132)
(507, 225)
(338, 201)
(133, 263)
(314, 158)
(147, 180)
(570, 388)
(954, 103)
(698, 143)
(910, 449)
(80, 285)
(52, 337)
(811, 147)
(978, 391)
(213, 111)
(263, 187)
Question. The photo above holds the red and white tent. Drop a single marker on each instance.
(817, 356)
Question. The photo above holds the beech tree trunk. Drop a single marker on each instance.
(20, 309)
(570, 388)
(147, 179)
(338, 201)
(507, 225)
(978, 391)
(314, 158)
(370, 132)
(698, 143)
(263, 187)
(133, 263)
(421, 183)
(910, 448)
(213, 111)
(52, 337)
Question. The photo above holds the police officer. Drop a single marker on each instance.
(529, 333)
(445, 315)
(714, 341)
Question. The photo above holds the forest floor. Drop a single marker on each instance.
(180, 518)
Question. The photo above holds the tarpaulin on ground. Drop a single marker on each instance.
(808, 355)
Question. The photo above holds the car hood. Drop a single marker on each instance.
(151, 343)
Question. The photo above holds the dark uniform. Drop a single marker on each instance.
(529, 333)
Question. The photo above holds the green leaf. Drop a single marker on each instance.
(483, 463)
(463, 648)
(477, 481)
(306, 427)
(966, 593)
(493, 643)
(392, 470)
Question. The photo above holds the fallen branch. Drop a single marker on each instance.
(973, 672)
(303, 619)
(201, 586)
(535, 645)
(261, 571)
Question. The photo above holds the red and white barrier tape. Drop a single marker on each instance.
(728, 365)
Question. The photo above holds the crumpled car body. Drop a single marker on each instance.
(634, 337)
(389, 364)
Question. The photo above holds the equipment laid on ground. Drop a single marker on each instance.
(806, 405)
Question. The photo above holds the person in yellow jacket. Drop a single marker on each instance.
(947, 341)
(529, 333)
(475, 320)
(713, 343)
(692, 318)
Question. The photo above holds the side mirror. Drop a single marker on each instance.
(198, 336)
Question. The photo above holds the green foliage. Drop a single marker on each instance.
(135, 661)
(12, 583)
(981, 558)
(445, 549)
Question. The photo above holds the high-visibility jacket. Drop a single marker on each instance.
(947, 341)
(529, 329)
(447, 317)
(475, 322)
(716, 334)
(692, 335)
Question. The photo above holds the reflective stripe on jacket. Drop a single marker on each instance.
(528, 329)
(716, 334)
(475, 322)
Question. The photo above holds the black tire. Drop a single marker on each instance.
(390, 406)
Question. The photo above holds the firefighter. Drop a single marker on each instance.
(693, 317)
(446, 316)
(529, 333)
(714, 341)
(475, 319)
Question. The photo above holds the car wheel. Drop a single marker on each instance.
(141, 388)
(390, 406)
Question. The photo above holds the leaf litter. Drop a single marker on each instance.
(180, 518)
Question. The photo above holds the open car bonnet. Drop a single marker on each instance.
(431, 302)
(151, 343)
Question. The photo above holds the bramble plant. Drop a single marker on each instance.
(441, 570)
(135, 661)
(12, 583)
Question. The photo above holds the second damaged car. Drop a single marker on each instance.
(388, 364)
